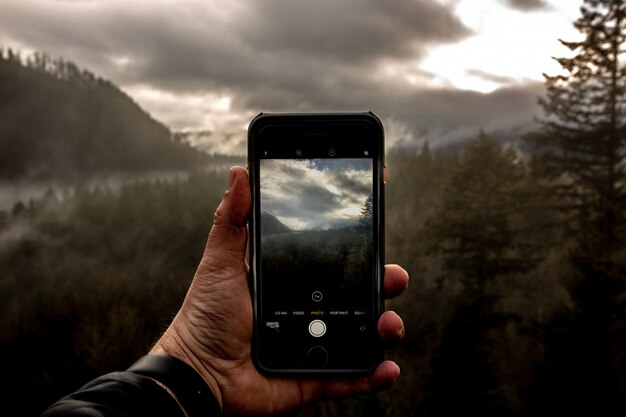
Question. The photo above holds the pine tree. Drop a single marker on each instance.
(365, 216)
(478, 232)
(581, 144)
(480, 235)
(580, 153)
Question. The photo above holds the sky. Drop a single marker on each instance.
(319, 194)
(432, 70)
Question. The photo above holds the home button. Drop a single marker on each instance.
(318, 357)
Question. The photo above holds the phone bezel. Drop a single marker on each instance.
(319, 126)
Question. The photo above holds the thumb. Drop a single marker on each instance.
(235, 206)
(226, 245)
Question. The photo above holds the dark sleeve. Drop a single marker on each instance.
(117, 394)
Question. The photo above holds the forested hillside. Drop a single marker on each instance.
(88, 280)
(490, 313)
(59, 121)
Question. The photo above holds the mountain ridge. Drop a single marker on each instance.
(58, 121)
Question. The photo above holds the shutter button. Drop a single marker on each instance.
(317, 328)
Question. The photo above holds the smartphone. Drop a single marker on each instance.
(316, 246)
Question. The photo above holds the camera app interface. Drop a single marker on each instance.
(316, 262)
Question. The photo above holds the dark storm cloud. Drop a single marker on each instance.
(232, 45)
(349, 31)
(307, 204)
(527, 5)
(291, 54)
(271, 55)
(359, 188)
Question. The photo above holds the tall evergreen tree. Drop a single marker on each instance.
(581, 149)
(479, 231)
(479, 234)
(581, 144)
(365, 216)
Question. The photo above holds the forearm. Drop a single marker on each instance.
(151, 386)
(117, 394)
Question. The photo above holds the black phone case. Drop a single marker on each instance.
(258, 123)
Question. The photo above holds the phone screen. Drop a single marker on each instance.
(316, 235)
(317, 265)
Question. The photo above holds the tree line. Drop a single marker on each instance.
(58, 68)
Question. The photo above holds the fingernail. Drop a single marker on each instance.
(231, 179)
(400, 331)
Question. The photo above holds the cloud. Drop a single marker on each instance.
(349, 32)
(498, 79)
(527, 5)
(213, 65)
(448, 116)
(230, 44)
(315, 194)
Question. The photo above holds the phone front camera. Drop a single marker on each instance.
(331, 152)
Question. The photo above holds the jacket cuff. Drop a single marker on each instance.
(189, 388)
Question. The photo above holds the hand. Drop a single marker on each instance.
(213, 329)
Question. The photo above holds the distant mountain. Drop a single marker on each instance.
(509, 137)
(270, 225)
(58, 121)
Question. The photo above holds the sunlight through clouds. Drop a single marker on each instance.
(508, 44)
(315, 194)
(207, 107)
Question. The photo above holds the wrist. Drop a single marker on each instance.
(169, 346)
